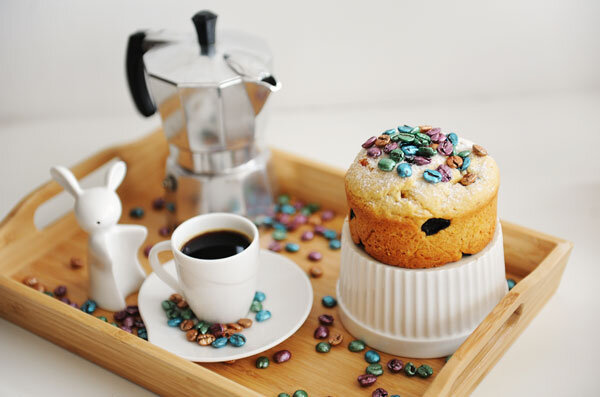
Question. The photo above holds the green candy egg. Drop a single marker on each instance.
(410, 369)
(356, 346)
(323, 347)
(256, 306)
(386, 164)
(374, 369)
(424, 371)
(262, 362)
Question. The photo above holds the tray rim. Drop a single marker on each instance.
(505, 320)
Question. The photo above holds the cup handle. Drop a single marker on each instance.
(158, 267)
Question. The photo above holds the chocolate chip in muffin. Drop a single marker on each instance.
(352, 216)
(434, 225)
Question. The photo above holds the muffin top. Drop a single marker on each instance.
(422, 172)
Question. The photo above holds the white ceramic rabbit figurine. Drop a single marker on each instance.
(114, 269)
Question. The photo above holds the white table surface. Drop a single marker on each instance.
(546, 147)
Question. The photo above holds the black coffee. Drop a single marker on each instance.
(216, 244)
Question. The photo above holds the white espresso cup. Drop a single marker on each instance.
(217, 290)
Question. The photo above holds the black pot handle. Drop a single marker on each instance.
(136, 75)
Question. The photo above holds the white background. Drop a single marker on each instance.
(521, 78)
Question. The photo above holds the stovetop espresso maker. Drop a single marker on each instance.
(211, 93)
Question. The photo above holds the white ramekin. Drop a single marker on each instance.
(420, 313)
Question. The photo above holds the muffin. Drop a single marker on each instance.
(421, 197)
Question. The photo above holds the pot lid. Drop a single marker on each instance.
(208, 59)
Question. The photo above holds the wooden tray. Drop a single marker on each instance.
(534, 259)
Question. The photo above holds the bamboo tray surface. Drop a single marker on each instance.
(534, 259)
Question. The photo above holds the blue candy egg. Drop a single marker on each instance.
(292, 247)
(405, 128)
(279, 226)
(453, 138)
(335, 244)
(409, 150)
(174, 322)
(237, 340)
(511, 283)
(329, 234)
(372, 357)
(89, 306)
(329, 301)
(260, 296)
(263, 315)
(432, 176)
(288, 209)
(404, 170)
(219, 342)
(466, 163)
(389, 132)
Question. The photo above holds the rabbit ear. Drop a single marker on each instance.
(66, 179)
(115, 175)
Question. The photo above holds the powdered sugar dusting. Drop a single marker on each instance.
(393, 195)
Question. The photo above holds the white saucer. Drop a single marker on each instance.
(289, 299)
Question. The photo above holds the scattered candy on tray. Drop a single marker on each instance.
(319, 229)
(410, 369)
(158, 203)
(164, 231)
(315, 256)
(316, 271)
(336, 339)
(356, 346)
(279, 235)
(371, 356)
(307, 236)
(275, 246)
(323, 347)
(327, 215)
(282, 356)
(366, 380)
(424, 371)
(326, 319)
(379, 392)
(321, 332)
(292, 247)
(30, 281)
(136, 212)
(374, 369)
(147, 250)
(76, 263)
(329, 301)
(329, 234)
(511, 283)
(335, 244)
(300, 393)
(395, 365)
(262, 362)
(89, 306)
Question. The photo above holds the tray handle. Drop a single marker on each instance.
(19, 222)
(486, 345)
(499, 324)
